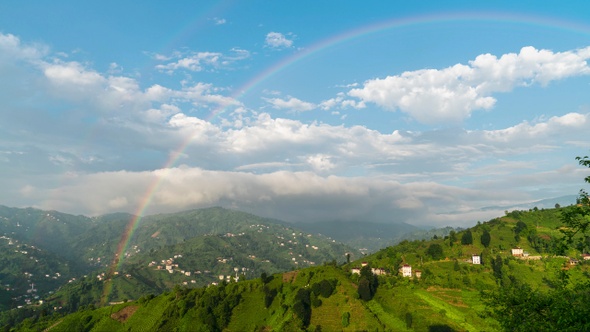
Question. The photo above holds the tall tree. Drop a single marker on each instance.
(452, 238)
(497, 267)
(485, 238)
(368, 283)
(467, 237)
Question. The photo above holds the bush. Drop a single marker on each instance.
(435, 251)
(345, 319)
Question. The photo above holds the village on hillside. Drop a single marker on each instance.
(405, 270)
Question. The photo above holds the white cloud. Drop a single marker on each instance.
(340, 101)
(11, 48)
(219, 21)
(194, 62)
(566, 125)
(452, 94)
(277, 40)
(321, 162)
(200, 61)
(291, 104)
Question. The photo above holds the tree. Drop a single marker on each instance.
(345, 319)
(497, 267)
(452, 237)
(435, 251)
(302, 306)
(467, 238)
(364, 290)
(485, 238)
(577, 218)
(520, 227)
(519, 307)
(409, 320)
(368, 284)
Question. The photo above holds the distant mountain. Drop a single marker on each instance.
(547, 203)
(190, 248)
(368, 236)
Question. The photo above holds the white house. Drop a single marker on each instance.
(517, 251)
(475, 259)
(406, 270)
(378, 271)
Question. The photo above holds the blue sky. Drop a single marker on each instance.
(422, 112)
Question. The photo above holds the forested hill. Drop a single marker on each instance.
(64, 259)
(531, 275)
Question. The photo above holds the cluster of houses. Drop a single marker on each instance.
(170, 266)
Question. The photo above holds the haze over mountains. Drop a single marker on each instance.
(210, 242)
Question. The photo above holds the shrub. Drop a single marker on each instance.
(345, 319)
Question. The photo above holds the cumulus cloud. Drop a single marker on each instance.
(291, 104)
(341, 102)
(452, 94)
(277, 40)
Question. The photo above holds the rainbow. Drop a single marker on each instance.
(347, 36)
(404, 22)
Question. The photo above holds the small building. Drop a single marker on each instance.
(364, 264)
(475, 259)
(378, 271)
(355, 270)
(418, 274)
(406, 270)
(517, 252)
(585, 257)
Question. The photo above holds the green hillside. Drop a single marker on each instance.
(28, 273)
(446, 291)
